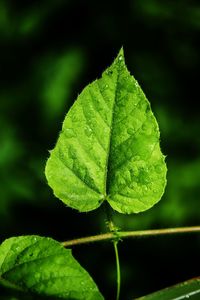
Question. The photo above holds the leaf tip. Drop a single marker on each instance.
(121, 53)
(120, 57)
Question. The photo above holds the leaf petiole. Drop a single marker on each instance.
(118, 269)
(116, 238)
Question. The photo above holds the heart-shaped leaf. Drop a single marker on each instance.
(109, 149)
(43, 266)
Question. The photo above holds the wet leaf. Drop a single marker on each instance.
(42, 266)
(109, 149)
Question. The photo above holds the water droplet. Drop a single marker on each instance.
(109, 72)
(121, 181)
(75, 118)
(158, 168)
(143, 105)
(106, 86)
(133, 185)
(120, 58)
(146, 128)
(134, 171)
(130, 130)
(136, 84)
(69, 132)
(127, 176)
(88, 131)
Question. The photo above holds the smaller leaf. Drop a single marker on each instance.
(43, 266)
(186, 290)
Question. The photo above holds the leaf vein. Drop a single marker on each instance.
(98, 86)
(86, 151)
(131, 198)
(101, 117)
(119, 121)
(132, 136)
(107, 165)
(124, 162)
(95, 135)
(77, 176)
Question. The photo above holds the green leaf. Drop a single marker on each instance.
(109, 147)
(187, 290)
(43, 266)
(11, 294)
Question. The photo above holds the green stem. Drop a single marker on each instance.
(127, 234)
(109, 222)
(118, 269)
(114, 231)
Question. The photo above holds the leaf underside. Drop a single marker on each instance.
(187, 290)
(42, 266)
(108, 149)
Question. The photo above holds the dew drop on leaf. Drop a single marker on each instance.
(147, 129)
(130, 131)
(158, 169)
(136, 84)
(88, 131)
(70, 133)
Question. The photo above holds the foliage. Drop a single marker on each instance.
(108, 149)
(42, 266)
(90, 164)
(41, 40)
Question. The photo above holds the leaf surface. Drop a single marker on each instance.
(108, 149)
(43, 266)
(187, 290)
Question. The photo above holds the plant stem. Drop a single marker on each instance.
(126, 234)
(118, 269)
(115, 239)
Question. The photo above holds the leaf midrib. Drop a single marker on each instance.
(107, 165)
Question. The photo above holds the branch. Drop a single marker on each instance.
(126, 234)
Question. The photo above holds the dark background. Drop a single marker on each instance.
(50, 50)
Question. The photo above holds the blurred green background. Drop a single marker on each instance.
(50, 50)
